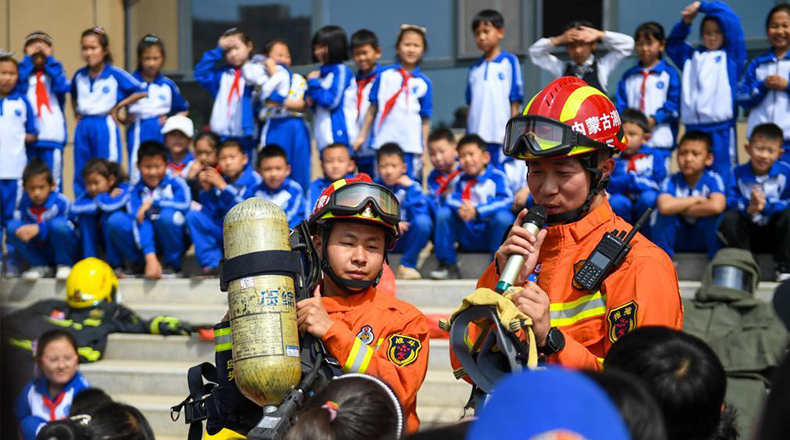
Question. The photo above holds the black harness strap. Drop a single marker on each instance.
(285, 263)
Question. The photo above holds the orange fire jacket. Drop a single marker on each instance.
(642, 291)
(384, 337)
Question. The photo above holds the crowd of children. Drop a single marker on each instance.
(181, 183)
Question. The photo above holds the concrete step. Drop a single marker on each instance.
(191, 349)
(156, 409)
(169, 377)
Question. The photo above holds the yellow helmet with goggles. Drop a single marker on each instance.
(90, 282)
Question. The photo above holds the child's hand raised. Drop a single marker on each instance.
(690, 12)
(588, 35)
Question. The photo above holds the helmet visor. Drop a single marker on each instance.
(353, 198)
(732, 277)
(538, 136)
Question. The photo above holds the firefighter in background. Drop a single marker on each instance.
(354, 224)
(567, 135)
(90, 312)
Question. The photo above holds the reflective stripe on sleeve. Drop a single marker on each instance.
(359, 358)
(564, 314)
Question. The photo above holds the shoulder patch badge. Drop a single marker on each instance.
(622, 320)
(403, 350)
(366, 334)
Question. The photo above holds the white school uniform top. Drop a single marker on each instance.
(51, 120)
(403, 124)
(491, 87)
(618, 45)
(163, 98)
(16, 120)
(97, 96)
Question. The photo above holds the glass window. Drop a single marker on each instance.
(385, 18)
(557, 15)
(262, 20)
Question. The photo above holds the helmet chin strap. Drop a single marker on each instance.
(598, 183)
(351, 287)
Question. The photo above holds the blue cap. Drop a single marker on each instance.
(549, 404)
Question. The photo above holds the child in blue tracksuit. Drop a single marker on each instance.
(43, 78)
(220, 192)
(331, 89)
(653, 88)
(49, 396)
(98, 91)
(763, 88)
(639, 172)
(232, 116)
(444, 157)
(106, 191)
(154, 217)
(710, 77)
(365, 51)
(147, 116)
(416, 224)
(691, 200)
(477, 212)
(17, 129)
(280, 114)
(336, 162)
(178, 132)
(277, 187)
(401, 102)
(758, 200)
(41, 231)
(494, 87)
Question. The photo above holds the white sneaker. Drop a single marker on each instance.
(63, 273)
(37, 272)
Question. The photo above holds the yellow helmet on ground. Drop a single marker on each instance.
(90, 282)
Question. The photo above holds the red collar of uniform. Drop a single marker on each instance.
(344, 303)
(592, 221)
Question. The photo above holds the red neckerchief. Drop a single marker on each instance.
(391, 102)
(42, 97)
(645, 75)
(361, 84)
(53, 406)
(235, 87)
(632, 161)
(38, 211)
(445, 180)
(467, 192)
(177, 167)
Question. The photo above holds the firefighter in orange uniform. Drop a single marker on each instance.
(567, 135)
(354, 224)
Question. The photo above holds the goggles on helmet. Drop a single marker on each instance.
(353, 199)
(529, 136)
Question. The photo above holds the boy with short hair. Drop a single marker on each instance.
(277, 186)
(444, 157)
(41, 231)
(494, 87)
(17, 129)
(758, 215)
(337, 163)
(691, 200)
(581, 41)
(220, 192)
(365, 51)
(155, 218)
(415, 225)
(638, 173)
(178, 132)
(476, 213)
(44, 81)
